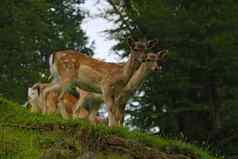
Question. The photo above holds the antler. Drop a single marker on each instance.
(163, 54)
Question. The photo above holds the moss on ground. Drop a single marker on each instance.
(27, 135)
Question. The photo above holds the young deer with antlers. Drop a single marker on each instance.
(96, 76)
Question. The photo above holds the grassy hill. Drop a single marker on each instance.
(24, 135)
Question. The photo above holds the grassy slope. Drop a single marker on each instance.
(26, 135)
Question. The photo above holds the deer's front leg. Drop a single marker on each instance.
(119, 106)
(62, 109)
(111, 111)
(109, 101)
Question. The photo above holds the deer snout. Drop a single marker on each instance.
(156, 67)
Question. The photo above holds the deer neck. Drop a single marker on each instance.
(131, 66)
(138, 78)
(134, 83)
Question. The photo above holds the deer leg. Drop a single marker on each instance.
(46, 91)
(51, 104)
(109, 101)
(62, 109)
(121, 117)
(93, 113)
(79, 111)
(120, 103)
(118, 114)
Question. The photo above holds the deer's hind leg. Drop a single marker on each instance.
(45, 93)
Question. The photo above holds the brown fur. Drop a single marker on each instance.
(152, 64)
(95, 75)
(86, 98)
(66, 106)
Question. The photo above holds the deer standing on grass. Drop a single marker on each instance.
(35, 101)
(152, 64)
(95, 76)
(34, 98)
(88, 102)
(66, 105)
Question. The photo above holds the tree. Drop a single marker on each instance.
(29, 32)
(196, 90)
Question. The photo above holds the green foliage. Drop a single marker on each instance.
(29, 32)
(31, 136)
(195, 93)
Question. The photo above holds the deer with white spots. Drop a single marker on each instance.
(96, 76)
(89, 103)
(152, 64)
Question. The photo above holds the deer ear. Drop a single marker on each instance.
(163, 54)
(152, 44)
(37, 87)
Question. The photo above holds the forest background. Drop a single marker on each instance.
(195, 95)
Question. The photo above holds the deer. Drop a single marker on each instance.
(34, 99)
(96, 76)
(88, 102)
(152, 64)
(66, 106)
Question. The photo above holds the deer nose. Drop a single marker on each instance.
(156, 68)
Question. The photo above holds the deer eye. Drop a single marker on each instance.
(137, 49)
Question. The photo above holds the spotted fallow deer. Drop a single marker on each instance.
(89, 103)
(151, 64)
(52, 102)
(34, 99)
(94, 75)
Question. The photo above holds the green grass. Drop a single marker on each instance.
(25, 131)
(22, 143)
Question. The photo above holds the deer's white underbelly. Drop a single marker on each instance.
(89, 79)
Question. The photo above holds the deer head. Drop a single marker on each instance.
(34, 97)
(155, 60)
(137, 55)
(140, 46)
(34, 91)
